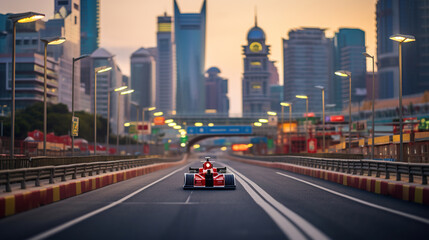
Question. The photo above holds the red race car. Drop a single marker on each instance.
(209, 177)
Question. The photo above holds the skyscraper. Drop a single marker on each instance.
(165, 94)
(106, 82)
(190, 38)
(142, 79)
(90, 25)
(66, 23)
(216, 92)
(306, 64)
(256, 76)
(402, 17)
(349, 44)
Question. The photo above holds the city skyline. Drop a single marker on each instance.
(275, 17)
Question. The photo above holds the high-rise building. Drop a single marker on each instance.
(306, 64)
(165, 86)
(402, 17)
(276, 96)
(256, 76)
(66, 23)
(274, 73)
(28, 80)
(142, 79)
(106, 82)
(190, 38)
(349, 44)
(217, 100)
(90, 25)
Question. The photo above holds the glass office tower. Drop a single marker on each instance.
(190, 37)
(89, 25)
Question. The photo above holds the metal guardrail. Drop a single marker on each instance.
(28, 162)
(354, 166)
(36, 174)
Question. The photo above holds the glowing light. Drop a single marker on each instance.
(271, 113)
(343, 73)
(127, 92)
(258, 124)
(103, 69)
(172, 124)
(120, 88)
(158, 114)
(285, 104)
(301, 96)
(211, 124)
(169, 121)
(127, 124)
(177, 127)
(196, 146)
(198, 124)
(183, 144)
(263, 120)
(402, 38)
(223, 149)
(57, 41)
(31, 18)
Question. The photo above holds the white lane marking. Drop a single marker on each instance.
(414, 217)
(70, 223)
(189, 198)
(284, 224)
(289, 229)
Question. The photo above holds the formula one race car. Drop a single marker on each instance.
(209, 177)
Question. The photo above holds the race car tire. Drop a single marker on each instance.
(230, 181)
(189, 181)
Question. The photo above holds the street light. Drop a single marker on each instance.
(373, 102)
(47, 41)
(286, 104)
(306, 117)
(74, 60)
(272, 113)
(117, 116)
(18, 18)
(400, 38)
(108, 113)
(323, 112)
(96, 71)
(343, 73)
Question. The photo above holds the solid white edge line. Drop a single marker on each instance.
(304, 225)
(284, 224)
(70, 223)
(414, 217)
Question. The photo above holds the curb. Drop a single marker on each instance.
(20, 202)
(408, 192)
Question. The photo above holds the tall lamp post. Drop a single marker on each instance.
(323, 113)
(401, 38)
(17, 18)
(108, 113)
(373, 102)
(97, 71)
(47, 41)
(343, 73)
(286, 104)
(74, 61)
(306, 117)
(117, 116)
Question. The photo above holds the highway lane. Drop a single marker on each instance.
(164, 210)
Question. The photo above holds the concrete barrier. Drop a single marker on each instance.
(20, 202)
(408, 192)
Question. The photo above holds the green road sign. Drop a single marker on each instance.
(184, 139)
(75, 126)
(133, 129)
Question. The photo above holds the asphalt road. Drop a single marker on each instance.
(267, 204)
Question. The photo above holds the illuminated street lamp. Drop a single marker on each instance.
(17, 18)
(373, 102)
(323, 112)
(348, 74)
(306, 117)
(117, 115)
(286, 104)
(119, 89)
(47, 41)
(74, 61)
(97, 71)
(400, 38)
(272, 113)
(263, 120)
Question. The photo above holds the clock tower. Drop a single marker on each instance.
(256, 99)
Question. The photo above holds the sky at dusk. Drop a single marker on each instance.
(127, 25)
